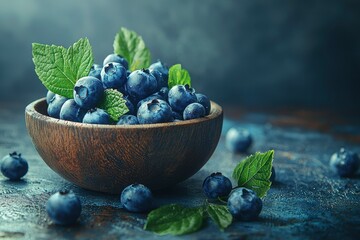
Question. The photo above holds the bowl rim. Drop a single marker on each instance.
(215, 112)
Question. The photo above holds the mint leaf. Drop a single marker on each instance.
(59, 68)
(114, 104)
(131, 46)
(254, 172)
(175, 219)
(220, 215)
(177, 75)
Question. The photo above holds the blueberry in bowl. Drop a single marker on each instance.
(107, 158)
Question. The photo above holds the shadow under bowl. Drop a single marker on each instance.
(107, 158)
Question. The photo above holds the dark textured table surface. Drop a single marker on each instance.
(307, 201)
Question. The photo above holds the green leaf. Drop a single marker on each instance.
(177, 75)
(131, 46)
(220, 215)
(114, 104)
(175, 219)
(59, 68)
(254, 172)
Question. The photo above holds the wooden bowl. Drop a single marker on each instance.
(107, 158)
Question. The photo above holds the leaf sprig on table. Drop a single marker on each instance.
(253, 172)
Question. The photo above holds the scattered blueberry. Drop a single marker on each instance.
(154, 111)
(204, 100)
(137, 198)
(162, 68)
(49, 96)
(141, 84)
(113, 75)
(194, 110)
(216, 185)
(128, 120)
(116, 58)
(238, 140)
(13, 166)
(55, 105)
(244, 205)
(95, 71)
(273, 175)
(88, 92)
(96, 116)
(72, 112)
(64, 207)
(344, 163)
(180, 97)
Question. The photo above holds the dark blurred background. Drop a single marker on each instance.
(251, 54)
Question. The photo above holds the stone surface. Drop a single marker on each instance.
(307, 200)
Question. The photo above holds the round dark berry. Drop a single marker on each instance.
(13, 166)
(344, 163)
(96, 116)
(154, 111)
(216, 185)
(113, 75)
(136, 198)
(180, 97)
(204, 100)
(88, 92)
(95, 71)
(72, 112)
(141, 84)
(162, 68)
(194, 110)
(128, 120)
(116, 58)
(55, 105)
(64, 207)
(244, 204)
(238, 140)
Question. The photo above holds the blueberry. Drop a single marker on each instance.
(113, 75)
(49, 96)
(244, 205)
(149, 98)
(88, 92)
(238, 140)
(141, 84)
(95, 71)
(63, 207)
(204, 100)
(55, 105)
(216, 185)
(72, 112)
(163, 93)
(162, 68)
(273, 175)
(177, 116)
(137, 198)
(116, 58)
(344, 163)
(13, 166)
(96, 116)
(129, 105)
(160, 79)
(128, 120)
(194, 110)
(180, 97)
(154, 111)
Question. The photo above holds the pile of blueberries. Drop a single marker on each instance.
(146, 92)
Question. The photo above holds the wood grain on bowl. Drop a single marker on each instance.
(107, 158)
